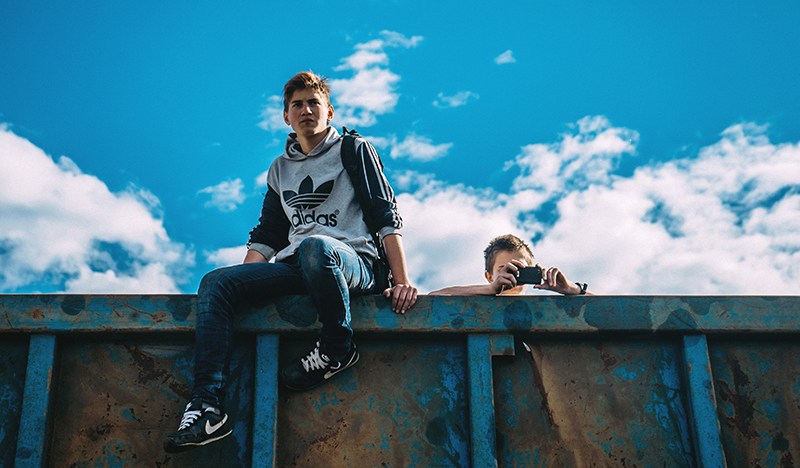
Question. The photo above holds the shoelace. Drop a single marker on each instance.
(189, 417)
(314, 360)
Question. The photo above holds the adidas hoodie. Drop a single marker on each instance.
(313, 195)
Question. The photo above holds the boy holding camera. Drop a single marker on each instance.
(509, 266)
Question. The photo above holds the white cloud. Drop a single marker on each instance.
(360, 99)
(65, 231)
(226, 256)
(272, 115)
(261, 179)
(724, 222)
(414, 147)
(226, 195)
(371, 91)
(459, 99)
(584, 157)
(505, 57)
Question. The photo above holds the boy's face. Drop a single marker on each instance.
(309, 113)
(503, 258)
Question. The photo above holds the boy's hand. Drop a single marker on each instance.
(554, 280)
(506, 278)
(403, 296)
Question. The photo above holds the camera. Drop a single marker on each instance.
(529, 275)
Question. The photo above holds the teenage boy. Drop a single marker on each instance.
(312, 225)
(503, 258)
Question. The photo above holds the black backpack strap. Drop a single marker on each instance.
(350, 163)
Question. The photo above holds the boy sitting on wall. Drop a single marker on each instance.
(504, 257)
(313, 225)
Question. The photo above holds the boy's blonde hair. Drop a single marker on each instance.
(306, 80)
(507, 243)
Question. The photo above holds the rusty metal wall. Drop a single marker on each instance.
(13, 361)
(117, 400)
(93, 381)
(758, 396)
(403, 405)
(592, 403)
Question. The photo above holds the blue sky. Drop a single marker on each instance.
(644, 149)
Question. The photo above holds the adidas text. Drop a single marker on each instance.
(299, 218)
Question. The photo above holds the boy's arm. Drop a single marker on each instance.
(403, 294)
(506, 280)
(554, 280)
(272, 232)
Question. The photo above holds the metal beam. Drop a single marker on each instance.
(431, 314)
(265, 405)
(702, 403)
(480, 349)
(32, 439)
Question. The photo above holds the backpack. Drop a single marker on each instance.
(380, 268)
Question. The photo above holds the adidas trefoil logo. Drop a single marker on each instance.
(308, 198)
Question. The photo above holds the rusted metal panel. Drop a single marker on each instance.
(33, 424)
(13, 362)
(596, 403)
(602, 384)
(36, 313)
(98, 313)
(117, 400)
(403, 405)
(757, 384)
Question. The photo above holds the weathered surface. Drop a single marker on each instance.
(604, 382)
(597, 403)
(758, 395)
(117, 400)
(695, 314)
(13, 361)
(403, 405)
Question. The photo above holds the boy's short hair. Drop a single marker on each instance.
(508, 243)
(306, 80)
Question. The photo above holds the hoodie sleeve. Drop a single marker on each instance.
(382, 203)
(273, 225)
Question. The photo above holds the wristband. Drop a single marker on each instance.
(583, 287)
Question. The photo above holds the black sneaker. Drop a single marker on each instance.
(315, 368)
(201, 424)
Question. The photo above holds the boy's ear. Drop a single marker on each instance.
(488, 276)
(286, 118)
(330, 112)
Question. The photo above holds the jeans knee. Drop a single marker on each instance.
(210, 280)
(214, 287)
(314, 248)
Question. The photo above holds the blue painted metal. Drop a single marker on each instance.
(458, 315)
(404, 404)
(501, 345)
(481, 395)
(757, 386)
(265, 402)
(13, 362)
(605, 381)
(33, 425)
(702, 403)
(593, 401)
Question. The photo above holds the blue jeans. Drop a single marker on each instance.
(325, 268)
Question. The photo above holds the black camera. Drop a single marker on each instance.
(529, 275)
